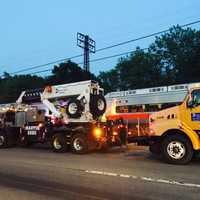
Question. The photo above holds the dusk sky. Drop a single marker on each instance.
(35, 32)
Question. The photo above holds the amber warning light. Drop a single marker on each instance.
(97, 132)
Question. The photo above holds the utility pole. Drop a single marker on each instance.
(89, 46)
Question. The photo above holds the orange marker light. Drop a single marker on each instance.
(115, 133)
(97, 132)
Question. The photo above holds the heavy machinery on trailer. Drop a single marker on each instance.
(175, 132)
(67, 115)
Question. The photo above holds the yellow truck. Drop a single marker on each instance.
(175, 132)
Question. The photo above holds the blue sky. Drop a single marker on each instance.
(39, 31)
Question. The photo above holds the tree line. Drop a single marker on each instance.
(173, 58)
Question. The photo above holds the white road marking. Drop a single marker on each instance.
(109, 174)
(124, 175)
(94, 172)
(101, 173)
(149, 179)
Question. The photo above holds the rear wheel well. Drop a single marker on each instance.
(79, 130)
(85, 130)
(159, 139)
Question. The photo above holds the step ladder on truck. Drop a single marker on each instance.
(67, 115)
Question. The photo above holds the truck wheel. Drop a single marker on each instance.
(74, 108)
(79, 144)
(3, 143)
(59, 143)
(177, 149)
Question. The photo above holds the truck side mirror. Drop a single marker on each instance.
(190, 104)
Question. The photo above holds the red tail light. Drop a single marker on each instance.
(40, 125)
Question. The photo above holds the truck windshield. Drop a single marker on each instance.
(196, 97)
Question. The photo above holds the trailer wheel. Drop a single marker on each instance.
(74, 108)
(97, 105)
(177, 149)
(79, 144)
(3, 141)
(59, 143)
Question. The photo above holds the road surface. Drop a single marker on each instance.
(37, 173)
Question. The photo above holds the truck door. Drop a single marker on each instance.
(190, 110)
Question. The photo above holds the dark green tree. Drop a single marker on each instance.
(68, 72)
(179, 51)
(109, 80)
(12, 86)
(139, 70)
(173, 58)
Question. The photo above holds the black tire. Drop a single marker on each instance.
(59, 143)
(76, 113)
(182, 152)
(155, 148)
(3, 141)
(79, 143)
(97, 105)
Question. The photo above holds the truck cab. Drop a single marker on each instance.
(175, 132)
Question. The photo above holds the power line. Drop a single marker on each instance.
(116, 55)
(43, 65)
(144, 37)
(97, 59)
(104, 48)
(42, 71)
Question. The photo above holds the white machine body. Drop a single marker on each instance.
(56, 99)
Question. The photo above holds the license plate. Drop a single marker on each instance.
(32, 133)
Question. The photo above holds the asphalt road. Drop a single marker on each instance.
(37, 173)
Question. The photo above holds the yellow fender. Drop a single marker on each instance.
(192, 135)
